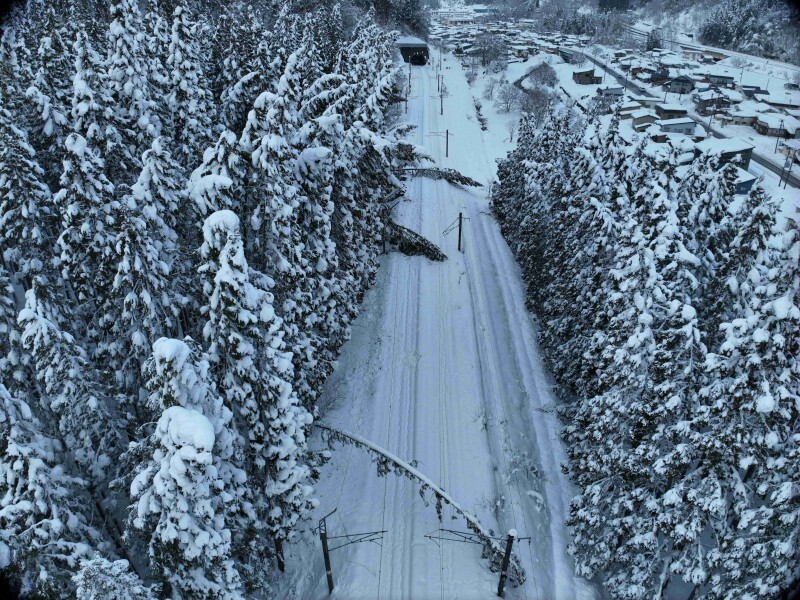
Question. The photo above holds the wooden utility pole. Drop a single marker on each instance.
(471, 537)
(506, 559)
(353, 538)
(279, 555)
(446, 134)
(460, 221)
(323, 538)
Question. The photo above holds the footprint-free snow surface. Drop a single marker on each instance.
(443, 368)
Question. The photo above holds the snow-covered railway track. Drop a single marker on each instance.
(442, 346)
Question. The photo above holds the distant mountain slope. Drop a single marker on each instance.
(769, 28)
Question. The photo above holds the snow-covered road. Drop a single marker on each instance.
(444, 369)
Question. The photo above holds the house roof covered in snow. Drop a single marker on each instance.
(723, 145)
(681, 121)
(679, 108)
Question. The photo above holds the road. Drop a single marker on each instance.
(443, 368)
(794, 180)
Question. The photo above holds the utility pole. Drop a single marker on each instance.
(506, 559)
(778, 137)
(279, 555)
(460, 221)
(446, 134)
(451, 535)
(353, 538)
(787, 168)
(323, 538)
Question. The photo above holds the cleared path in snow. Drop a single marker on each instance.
(444, 369)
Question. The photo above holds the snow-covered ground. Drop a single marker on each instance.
(444, 369)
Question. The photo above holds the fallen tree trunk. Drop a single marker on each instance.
(449, 175)
(411, 243)
(387, 462)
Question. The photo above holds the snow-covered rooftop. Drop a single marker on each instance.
(672, 107)
(680, 121)
(723, 145)
(408, 40)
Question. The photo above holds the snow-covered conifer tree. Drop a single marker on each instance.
(203, 500)
(24, 200)
(8, 316)
(85, 198)
(100, 578)
(43, 529)
(70, 389)
(142, 303)
(188, 99)
(749, 428)
(51, 90)
(128, 71)
(180, 501)
(218, 183)
(248, 359)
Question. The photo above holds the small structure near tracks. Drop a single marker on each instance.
(414, 50)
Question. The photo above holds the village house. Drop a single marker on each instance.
(740, 117)
(752, 91)
(520, 51)
(729, 149)
(586, 76)
(647, 101)
(691, 53)
(683, 125)
(679, 85)
(776, 125)
(610, 89)
(643, 118)
(711, 101)
(626, 110)
(570, 56)
(660, 76)
(719, 78)
(782, 99)
(670, 111)
(744, 181)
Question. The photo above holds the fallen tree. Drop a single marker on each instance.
(410, 243)
(449, 175)
(386, 462)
